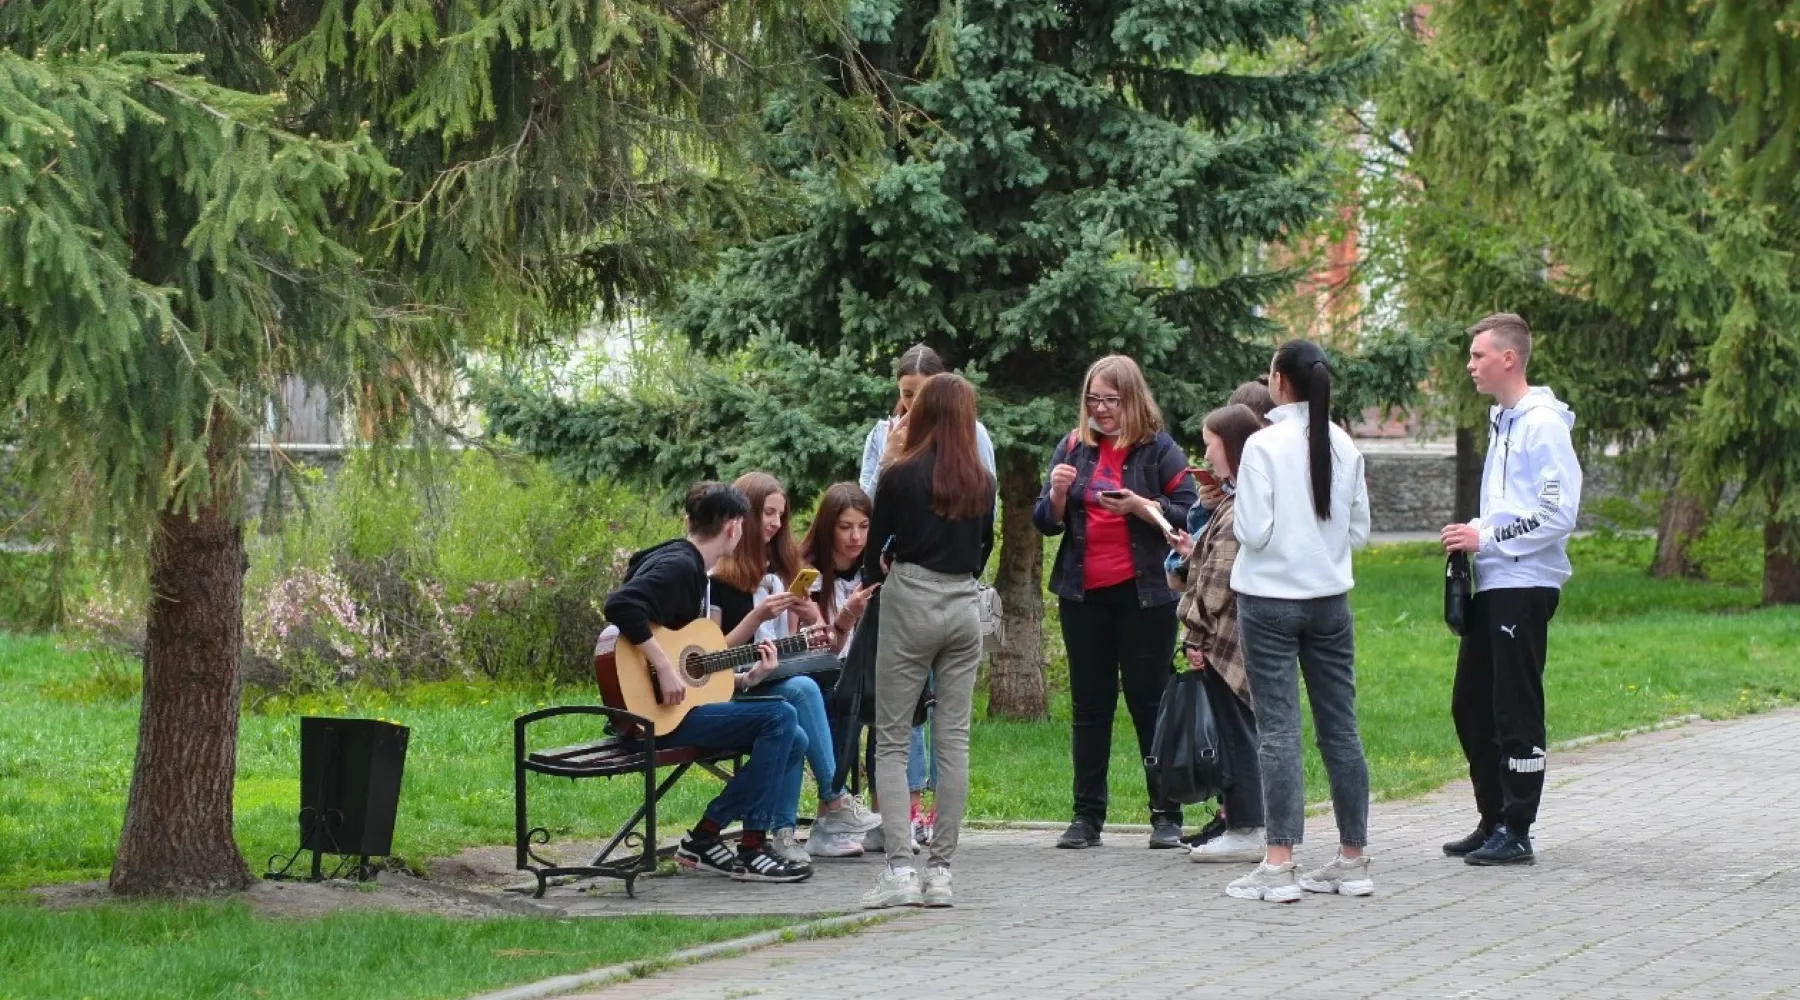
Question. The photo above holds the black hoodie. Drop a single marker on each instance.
(664, 585)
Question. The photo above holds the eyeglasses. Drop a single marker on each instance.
(1103, 402)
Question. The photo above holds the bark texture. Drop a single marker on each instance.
(1016, 688)
(177, 839)
(1469, 457)
(1684, 515)
(1781, 562)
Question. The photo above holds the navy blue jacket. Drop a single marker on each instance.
(1157, 470)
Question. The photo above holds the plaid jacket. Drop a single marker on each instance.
(1209, 606)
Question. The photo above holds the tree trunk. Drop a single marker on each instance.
(1684, 514)
(1016, 681)
(1781, 559)
(177, 839)
(1468, 475)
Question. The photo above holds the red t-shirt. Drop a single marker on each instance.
(1108, 561)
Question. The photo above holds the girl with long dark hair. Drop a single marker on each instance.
(834, 545)
(881, 447)
(1301, 506)
(750, 588)
(1209, 610)
(936, 505)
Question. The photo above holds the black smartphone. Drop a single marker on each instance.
(887, 547)
(1113, 494)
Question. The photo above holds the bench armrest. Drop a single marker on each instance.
(622, 721)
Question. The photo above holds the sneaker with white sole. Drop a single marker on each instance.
(1271, 883)
(850, 817)
(922, 823)
(834, 845)
(765, 865)
(787, 844)
(1234, 846)
(875, 842)
(894, 888)
(937, 887)
(711, 857)
(1347, 876)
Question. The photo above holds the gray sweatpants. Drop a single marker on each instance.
(929, 625)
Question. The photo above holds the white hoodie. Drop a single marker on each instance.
(1285, 550)
(1530, 495)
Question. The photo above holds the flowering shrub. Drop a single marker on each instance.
(484, 571)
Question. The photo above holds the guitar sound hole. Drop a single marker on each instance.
(690, 666)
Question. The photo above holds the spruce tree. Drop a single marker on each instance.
(1067, 157)
(200, 198)
(1577, 166)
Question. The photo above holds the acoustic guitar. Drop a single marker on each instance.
(705, 663)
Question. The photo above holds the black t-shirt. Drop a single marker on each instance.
(903, 510)
(734, 605)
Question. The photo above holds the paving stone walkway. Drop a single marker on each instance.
(1667, 868)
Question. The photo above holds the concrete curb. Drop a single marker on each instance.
(608, 975)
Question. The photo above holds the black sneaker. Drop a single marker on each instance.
(1082, 833)
(764, 865)
(1210, 832)
(1165, 833)
(1503, 848)
(712, 857)
(1470, 844)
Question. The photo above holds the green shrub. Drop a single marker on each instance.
(1730, 550)
(484, 569)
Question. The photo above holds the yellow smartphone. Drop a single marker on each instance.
(803, 581)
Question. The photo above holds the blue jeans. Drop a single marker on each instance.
(1284, 640)
(802, 693)
(768, 729)
(916, 779)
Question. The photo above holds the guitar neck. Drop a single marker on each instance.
(743, 656)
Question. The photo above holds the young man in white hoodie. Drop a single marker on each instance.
(1530, 495)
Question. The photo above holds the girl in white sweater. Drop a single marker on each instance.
(1301, 507)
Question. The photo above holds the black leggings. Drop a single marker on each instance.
(1115, 643)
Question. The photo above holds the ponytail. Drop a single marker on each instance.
(1318, 436)
(1303, 364)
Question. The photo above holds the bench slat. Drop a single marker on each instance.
(617, 756)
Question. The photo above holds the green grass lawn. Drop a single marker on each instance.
(1625, 651)
(219, 950)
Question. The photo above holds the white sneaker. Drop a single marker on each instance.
(1349, 876)
(937, 887)
(1273, 883)
(834, 845)
(1234, 846)
(850, 817)
(894, 888)
(787, 846)
(875, 842)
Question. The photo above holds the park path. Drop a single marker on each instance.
(1667, 868)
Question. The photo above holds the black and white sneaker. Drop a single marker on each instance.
(764, 865)
(712, 857)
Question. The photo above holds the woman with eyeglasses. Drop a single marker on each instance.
(1118, 484)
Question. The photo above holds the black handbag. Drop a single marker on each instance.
(854, 695)
(1456, 592)
(1185, 763)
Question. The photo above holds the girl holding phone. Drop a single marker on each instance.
(750, 589)
(1118, 482)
